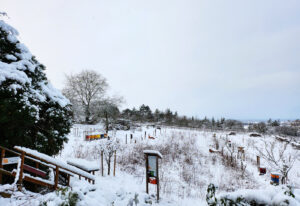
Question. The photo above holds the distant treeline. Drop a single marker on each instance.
(168, 117)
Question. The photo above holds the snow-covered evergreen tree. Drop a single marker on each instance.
(32, 113)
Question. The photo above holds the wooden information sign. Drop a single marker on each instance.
(10, 160)
(152, 175)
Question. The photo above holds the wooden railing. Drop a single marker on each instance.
(36, 171)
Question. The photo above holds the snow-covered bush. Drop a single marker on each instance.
(33, 113)
(61, 197)
(271, 196)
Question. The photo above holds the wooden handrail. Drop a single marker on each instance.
(43, 160)
(30, 158)
(37, 160)
(14, 152)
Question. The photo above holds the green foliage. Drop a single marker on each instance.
(26, 118)
(223, 201)
(68, 197)
(289, 191)
(211, 195)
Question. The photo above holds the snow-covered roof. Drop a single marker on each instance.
(154, 152)
(84, 164)
(54, 161)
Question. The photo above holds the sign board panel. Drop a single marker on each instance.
(152, 169)
(10, 160)
(152, 175)
(152, 166)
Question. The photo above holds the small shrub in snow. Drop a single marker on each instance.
(108, 148)
(273, 197)
(62, 197)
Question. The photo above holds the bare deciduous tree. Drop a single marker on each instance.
(108, 111)
(84, 90)
(109, 147)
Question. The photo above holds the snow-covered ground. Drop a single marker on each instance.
(186, 169)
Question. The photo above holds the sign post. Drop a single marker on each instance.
(152, 175)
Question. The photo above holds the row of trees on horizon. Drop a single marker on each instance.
(87, 92)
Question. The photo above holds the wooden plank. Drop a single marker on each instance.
(21, 172)
(38, 182)
(35, 171)
(27, 178)
(1, 166)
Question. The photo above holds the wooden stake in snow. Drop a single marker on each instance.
(21, 172)
(258, 162)
(115, 158)
(102, 162)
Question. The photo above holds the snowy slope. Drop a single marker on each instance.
(186, 169)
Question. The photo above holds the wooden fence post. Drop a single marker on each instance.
(115, 158)
(56, 177)
(1, 166)
(147, 178)
(102, 162)
(68, 183)
(157, 179)
(258, 161)
(21, 172)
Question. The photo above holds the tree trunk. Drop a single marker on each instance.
(106, 122)
(87, 114)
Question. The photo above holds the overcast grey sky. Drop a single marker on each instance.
(234, 59)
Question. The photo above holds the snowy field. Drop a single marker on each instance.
(186, 169)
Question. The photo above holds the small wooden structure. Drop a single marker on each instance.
(95, 137)
(84, 165)
(241, 153)
(34, 174)
(275, 178)
(152, 175)
(262, 170)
